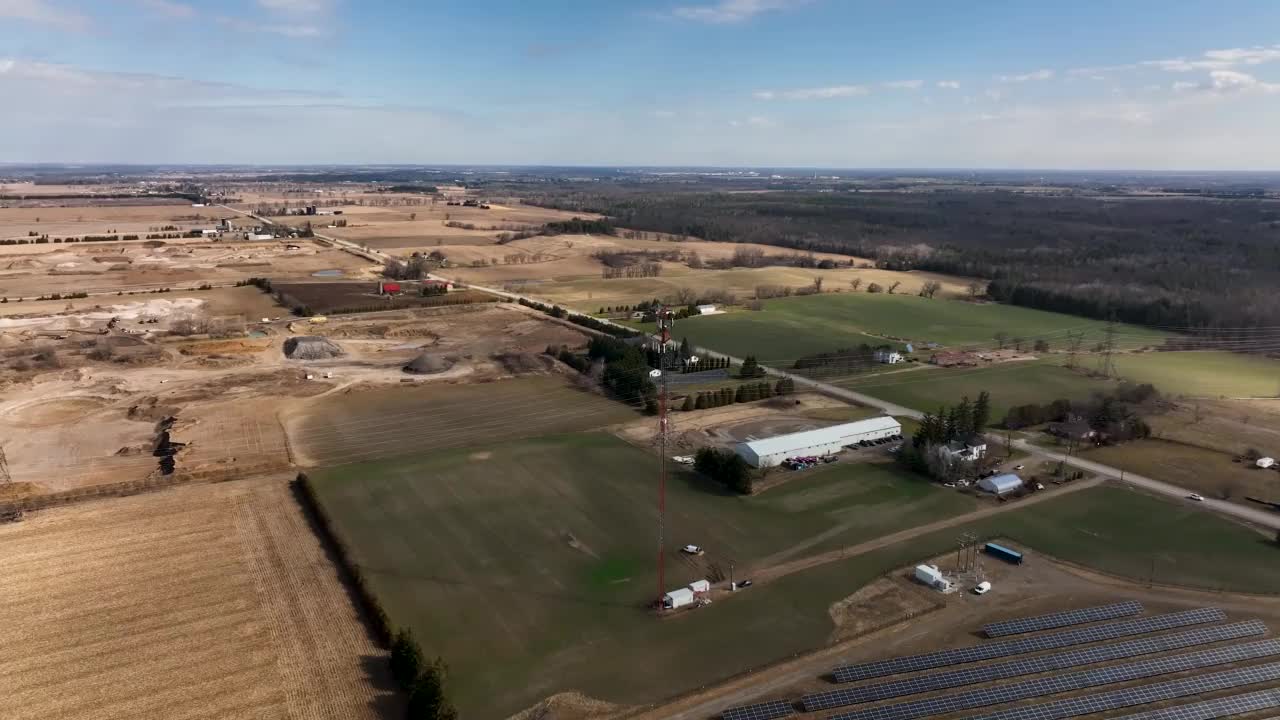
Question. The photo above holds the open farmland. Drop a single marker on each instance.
(1204, 373)
(1010, 384)
(833, 321)
(384, 422)
(1208, 472)
(319, 298)
(526, 564)
(210, 601)
(428, 226)
(63, 218)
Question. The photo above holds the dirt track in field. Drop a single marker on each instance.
(209, 601)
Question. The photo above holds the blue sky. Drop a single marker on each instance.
(820, 83)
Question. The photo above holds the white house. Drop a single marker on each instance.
(823, 441)
(888, 357)
(970, 450)
(1000, 484)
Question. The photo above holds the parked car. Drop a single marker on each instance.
(982, 588)
(1196, 496)
(691, 550)
(744, 583)
(1018, 467)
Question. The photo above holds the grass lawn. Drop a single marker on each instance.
(1014, 383)
(1207, 472)
(1123, 531)
(1204, 373)
(791, 327)
(526, 564)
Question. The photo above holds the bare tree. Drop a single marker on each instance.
(930, 288)
(817, 284)
(894, 286)
(974, 289)
(1002, 339)
(855, 283)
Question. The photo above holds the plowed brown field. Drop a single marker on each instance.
(209, 601)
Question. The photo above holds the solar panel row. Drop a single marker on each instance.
(1213, 709)
(1141, 695)
(1029, 666)
(1018, 646)
(760, 711)
(983, 697)
(1062, 619)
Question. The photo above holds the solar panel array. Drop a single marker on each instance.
(1018, 646)
(1029, 666)
(1062, 619)
(1142, 695)
(760, 711)
(1213, 709)
(1051, 685)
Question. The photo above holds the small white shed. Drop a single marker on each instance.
(1266, 462)
(677, 598)
(700, 586)
(930, 575)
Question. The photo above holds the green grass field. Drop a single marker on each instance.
(1204, 373)
(526, 564)
(1205, 471)
(791, 327)
(1014, 383)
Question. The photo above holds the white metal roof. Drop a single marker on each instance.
(683, 592)
(1002, 483)
(821, 436)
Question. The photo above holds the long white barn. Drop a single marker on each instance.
(772, 451)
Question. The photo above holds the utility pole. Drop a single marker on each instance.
(1108, 349)
(4, 468)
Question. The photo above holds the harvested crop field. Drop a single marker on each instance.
(321, 298)
(363, 424)
(209, 601)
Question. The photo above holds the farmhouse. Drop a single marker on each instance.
(1000, 484)
(1074, 429)
(970, 450)
(707, 310)
(887, 356)
(770, 452)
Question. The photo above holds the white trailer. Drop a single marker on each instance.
(1266, 462)
(930, 575)
(677, 598)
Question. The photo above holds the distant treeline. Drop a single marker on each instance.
(1179, 262)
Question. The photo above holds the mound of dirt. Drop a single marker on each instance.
(429, 364)
(311, 347)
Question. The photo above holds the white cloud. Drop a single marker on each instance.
(300, 30)
(1026, 77)
(43, 13)
(818, 93)
(1183, 86)
(1233, 81)
(719, 13)
(1218, 59)
(663, 114)
(994, 94)
(311, 7)
(1246, 56)
(949, 84)
(169, 8)
(905, 84)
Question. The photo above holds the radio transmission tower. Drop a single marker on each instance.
(1073, 346)
(665, 320)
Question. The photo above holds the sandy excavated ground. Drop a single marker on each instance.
(60, 217)
(28, 271)
(228, 394)
(208, 601)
